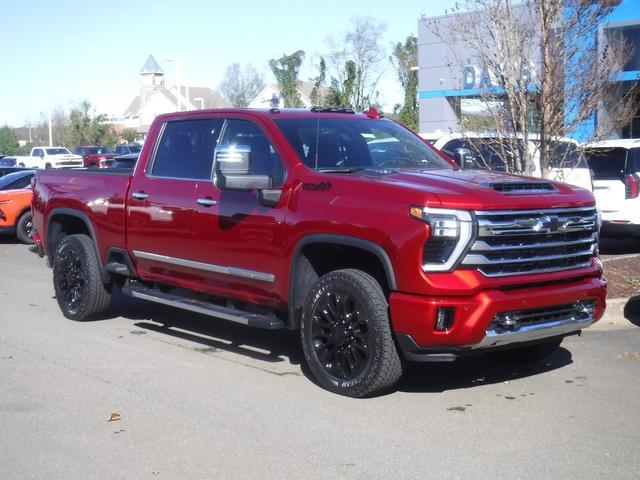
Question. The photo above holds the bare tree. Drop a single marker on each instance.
(542, 70)
(240, 85)
(356, 63)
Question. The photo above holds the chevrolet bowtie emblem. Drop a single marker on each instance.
(550, 224)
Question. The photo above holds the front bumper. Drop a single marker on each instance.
(474, 325)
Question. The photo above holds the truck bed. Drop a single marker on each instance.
(98, 195)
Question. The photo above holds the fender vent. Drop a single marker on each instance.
(522, 188)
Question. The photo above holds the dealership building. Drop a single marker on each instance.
(452, 89)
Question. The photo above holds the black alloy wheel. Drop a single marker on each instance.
(77, 281)
(25, 228)
(346, 335)
(341, 337)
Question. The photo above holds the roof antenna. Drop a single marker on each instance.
(317, 139)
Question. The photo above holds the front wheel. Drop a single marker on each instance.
(80, 292)
(346, 335)
(531, 353)
(24, 228)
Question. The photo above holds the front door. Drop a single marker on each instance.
(240, 238)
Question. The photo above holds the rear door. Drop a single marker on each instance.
(162, 199)
(609, 167)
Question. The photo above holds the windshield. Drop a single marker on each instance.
(57, 151)
(8, 179)
(354, 143)
(566, 155)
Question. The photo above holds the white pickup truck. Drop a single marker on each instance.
(50, 157)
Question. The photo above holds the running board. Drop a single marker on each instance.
(268, 322)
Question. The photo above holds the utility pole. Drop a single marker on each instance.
(50, 131)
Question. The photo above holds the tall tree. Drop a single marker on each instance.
(318, 84)
(405, 60)
(8, 141)
(357, 61)
(286, 70)
(540, 68)
(84, 130)
(240, 85)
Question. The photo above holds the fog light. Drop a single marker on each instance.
(444, 319)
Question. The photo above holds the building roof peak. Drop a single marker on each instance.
(151, 66)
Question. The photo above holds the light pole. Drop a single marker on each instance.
(50, 130)
(178, 79)
(201, 100)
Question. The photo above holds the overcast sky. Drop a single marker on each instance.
(56, 53)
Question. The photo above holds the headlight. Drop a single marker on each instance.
(451, 232)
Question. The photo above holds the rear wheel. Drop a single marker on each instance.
(531, 353)
(80, 292)
(24, 228)
(346, 335)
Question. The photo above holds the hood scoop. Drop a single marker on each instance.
(522, 188)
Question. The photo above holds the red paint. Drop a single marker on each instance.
(242, 233)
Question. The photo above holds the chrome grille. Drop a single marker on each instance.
(527, 242)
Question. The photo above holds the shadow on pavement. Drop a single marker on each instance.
(264, 345)
(619, 246)
(474, 371)
(284, 345)
(632, 310)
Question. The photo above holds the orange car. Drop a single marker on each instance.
(15, 205)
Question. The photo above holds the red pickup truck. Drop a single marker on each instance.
(347, 227)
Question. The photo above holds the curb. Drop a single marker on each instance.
(614, 316)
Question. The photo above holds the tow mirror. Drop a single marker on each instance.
(233, 169)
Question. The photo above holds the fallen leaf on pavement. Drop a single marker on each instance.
(114, 416)
(629, 356)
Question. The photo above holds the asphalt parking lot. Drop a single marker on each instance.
(190, 397)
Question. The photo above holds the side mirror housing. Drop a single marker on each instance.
(233, 169)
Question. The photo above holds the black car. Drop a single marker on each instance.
(125, 161)
(7, 161)
(7, 170)
(127, 148)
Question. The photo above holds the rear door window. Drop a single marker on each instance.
(607, 164)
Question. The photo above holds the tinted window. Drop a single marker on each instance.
(264, 158)
(16, 180)
(186, 149)
(607, 164)
(353, 143)
(37, 152)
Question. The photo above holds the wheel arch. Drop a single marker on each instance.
(67, 221)
(353, 252)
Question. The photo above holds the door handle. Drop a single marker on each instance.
(140, 195)
(207, 202)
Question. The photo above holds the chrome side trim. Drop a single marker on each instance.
(209, 267)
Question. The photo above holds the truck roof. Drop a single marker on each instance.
(283, 112)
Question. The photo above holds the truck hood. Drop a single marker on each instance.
(482, 190)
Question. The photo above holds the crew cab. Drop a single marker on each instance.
(346, 227)
(50, 157)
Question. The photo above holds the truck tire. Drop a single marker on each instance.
(346, 335)
(24, 228)
(531, 353)
(80, 292)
